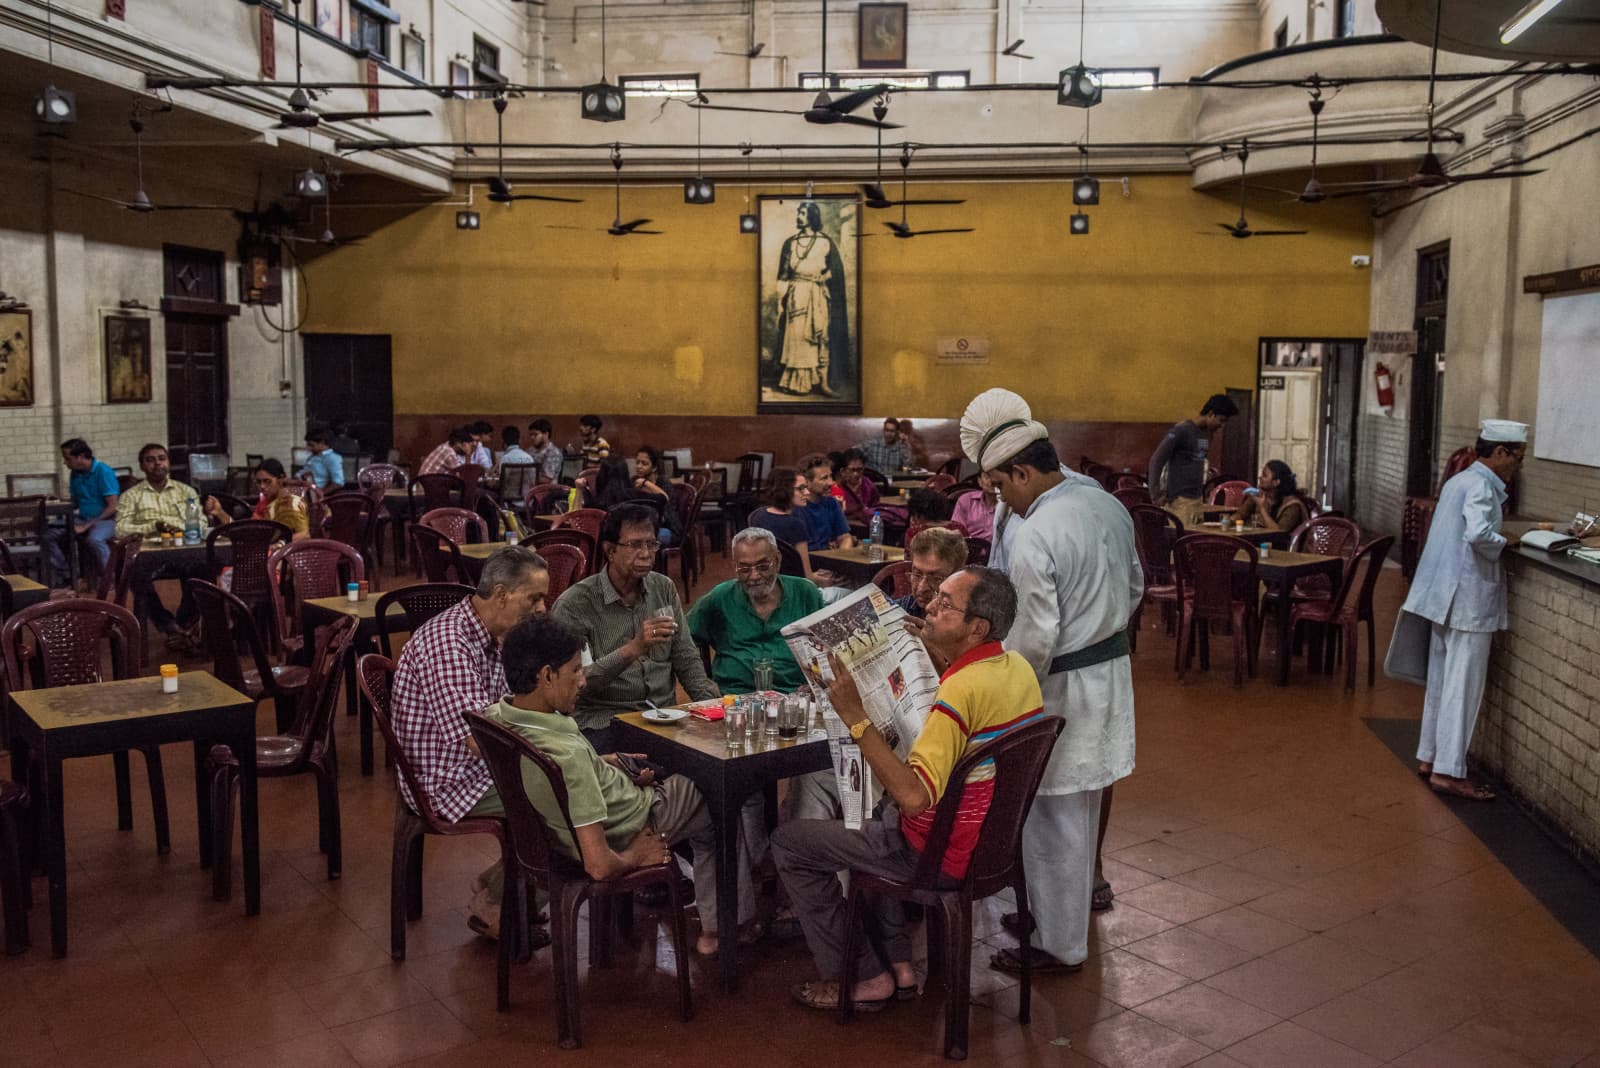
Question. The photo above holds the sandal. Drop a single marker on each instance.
(823, 994)
(1102, 897)
(1040, 962)
(907, 993)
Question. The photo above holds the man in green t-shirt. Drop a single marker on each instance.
(742, 619)
(622, 822)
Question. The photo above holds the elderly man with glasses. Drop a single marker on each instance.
(742, 619)
(633, 627)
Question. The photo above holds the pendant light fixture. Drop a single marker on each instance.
(602, 101)
(699, 189)
(1079, 86)
(749, 222)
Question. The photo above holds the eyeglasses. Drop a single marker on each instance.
(941, 601)
(763, 568)
(934, 578)
(646, 545)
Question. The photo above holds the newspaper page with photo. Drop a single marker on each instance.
(897, 680)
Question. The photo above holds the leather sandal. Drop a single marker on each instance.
(823, 994)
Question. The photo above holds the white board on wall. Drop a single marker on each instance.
(1568, 429)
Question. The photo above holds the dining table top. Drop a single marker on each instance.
(707, 737)
(22, 584)
(122, 700)
(856, 554)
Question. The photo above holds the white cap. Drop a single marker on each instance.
(996, 426)
(1503, 430)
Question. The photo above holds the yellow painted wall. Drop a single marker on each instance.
(1138, 321)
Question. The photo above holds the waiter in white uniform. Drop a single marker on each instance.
(1077, 579)
(1457, 602)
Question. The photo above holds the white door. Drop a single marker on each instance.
(1291, 406)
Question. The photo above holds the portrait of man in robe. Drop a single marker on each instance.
(808, 317)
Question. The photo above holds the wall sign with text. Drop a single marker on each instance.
(962, 350)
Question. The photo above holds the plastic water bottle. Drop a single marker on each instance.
(875, 538)
(191, 523)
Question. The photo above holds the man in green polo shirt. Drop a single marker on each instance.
(742, 618)
(622, 822)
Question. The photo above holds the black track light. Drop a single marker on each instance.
(603, 102)
(1085, 190)
(1078, 224)
(56, 106)
(749, 224)
(699, 191)
(467, 220)
(1079, 87)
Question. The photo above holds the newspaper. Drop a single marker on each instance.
(897, 680)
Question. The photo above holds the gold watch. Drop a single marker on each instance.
(858, 729)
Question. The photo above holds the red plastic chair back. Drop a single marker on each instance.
(1229, 494)
(1132, 495)
(1128, 480)
(1354, 598)
(568, 564)
(440, 489)
(314, 568)
(978, 550)
(1458, 462)
(895, 580)
(543, 541)
(440, 556)
(1155, 531)
(69, 637)
(349, 518)
(587, 520)
(418, 604)
(941, 482)
(313, 722)
(118, 572)
(251, 541)
(1327, 536)
(225, 623)
(541, 500)
(1203, 565)
(375, 676)
(917, 528)
(529, 842)
(456, 524)
(381, 477)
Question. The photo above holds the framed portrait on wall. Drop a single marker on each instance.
(127, 340)
(881, 35)
(16, 359)
(330, 18)
(808, 312)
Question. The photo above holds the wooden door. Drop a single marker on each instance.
(1239, 438)
(1291, 421)
(348, 382)
(197, 354)
(1342, 406)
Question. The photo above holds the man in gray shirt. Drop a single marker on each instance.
(1178, 466)
(543, 451)
(633, 624)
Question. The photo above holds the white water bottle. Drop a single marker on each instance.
(875, 538)
(191, 523)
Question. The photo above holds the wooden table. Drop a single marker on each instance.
(1278, 539)
(853, 564)
(898, 500)
(105, 717)
(1282, 570)
(320, 611)
(25, 591)
(185, 559)
(481, 550)
(695, 748)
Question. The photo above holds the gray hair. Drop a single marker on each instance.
(509, 567)
(759, 535)
(993, 599)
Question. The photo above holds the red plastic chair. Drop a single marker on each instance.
(567, 563)
(895, 580)
(250, 542)
(307, 746)
(16, 890)
(69, 638)
(1132, 495)
(1211, 588)
(1229, 494)
(438, 556)
(1128, 480)
(535, 858)
(542, 499)
(352, 520)
(1325, 536)
(471, 476)
(226, 625)
(440, 489)
(687, 548)
(312, 497)
(311, 569)
(1019, 758)
(1155, 531)
(376, 676)
(457, 524)
(978, 550)
(118, 572)
(941, 482)
(418, 603)
(917, 528)
(376, 480)
(584, 542)
(1347, 610)
(587, 520)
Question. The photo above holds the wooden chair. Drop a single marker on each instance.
(45, 485)
(226, 625)
(1019, 757)
(534, 857)
(411, 824)
(1228, 494)
(1342, 615)
(69, 638)
(894, 580)
(1211, 588)
(306, 746)
(1155, 531)
(438, 556)
(418, 603)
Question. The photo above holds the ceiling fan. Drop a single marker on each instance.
(902, 228)
(301, 117)
(327, 239)
(500, 189)
(872, 193)
(749, 53)
(140, 201)
(1241, 228)
(618, 228)
(1011, 50)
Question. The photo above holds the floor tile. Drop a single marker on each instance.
(1233, 885)
(1131, 1041)
(1249, 930)
(1288, 1044)
(1188, 952)
(1160, 858)
(1173, 902)
(1274, 987)
(403, 1035)
(1128, 980)
(357, 997)
(1337, 962)
(1208, 1016)
(1379, 1029)
(1123, 923)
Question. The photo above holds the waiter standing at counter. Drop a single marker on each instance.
(1457, 602)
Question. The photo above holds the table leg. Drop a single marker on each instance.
(1284, 609)
(725, 810)
(202, 800)
(55, 851)
(249, 817)
(359, 706)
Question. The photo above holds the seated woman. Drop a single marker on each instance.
(648, 478)
(1273, 503)
(975, 509)
(277, 503)
(925, 507)
(778, 515)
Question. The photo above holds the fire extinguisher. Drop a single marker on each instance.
(1385, 387)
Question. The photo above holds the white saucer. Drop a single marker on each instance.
(663, 715)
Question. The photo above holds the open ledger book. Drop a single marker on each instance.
(867, 632)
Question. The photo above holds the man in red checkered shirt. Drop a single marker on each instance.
(452, 666)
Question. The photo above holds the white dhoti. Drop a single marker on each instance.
(1458, 666)
(1058, 859)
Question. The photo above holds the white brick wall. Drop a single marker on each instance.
(1380, 473)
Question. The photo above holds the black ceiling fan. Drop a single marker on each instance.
(327, 239)
(500, 189)
(140, 202)
(301, 117)
(872, 194)
(618, 228)
(749, 53)
(1011, 50)
(902, 228)
(1241, 228)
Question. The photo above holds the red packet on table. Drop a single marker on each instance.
(709, 710)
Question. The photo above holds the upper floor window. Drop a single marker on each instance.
(1280, 36)
(673, 85)
(1344, 18)
(486, 64)
(902, 79)
(369, 26)
(1130, 77)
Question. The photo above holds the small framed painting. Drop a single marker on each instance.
(808, 308)
(16, 359)
(881, 36)
(330, 18)
(127, 339)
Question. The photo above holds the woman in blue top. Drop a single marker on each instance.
(780, 515)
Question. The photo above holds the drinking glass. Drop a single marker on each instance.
(664, 650)
(791, 716)
(763, 674)
(754, 713)
(773, 710)
(733, 725)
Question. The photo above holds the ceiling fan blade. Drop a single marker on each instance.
(1370, 190)
(569, 226)
(1484, 176)
(631, 232)
(1230, 227)
(191, 207)
(850, 101)
(1277, 233)
(97, 196)
(951, 230)
(345, 116)
(758, 111)
(857, 120)
(537, 196)
(873, 191)
(631, 224)
(897, 203)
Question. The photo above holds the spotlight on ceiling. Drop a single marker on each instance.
(311, 184)
(1078, 224)
(1079, 87)
(749, 224)
(603, 102)
(1085, 190)
(467, 220)
(54, 105)
(699, 191)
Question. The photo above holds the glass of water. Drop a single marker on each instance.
(774, 711)
(762, 672)
(733, 720)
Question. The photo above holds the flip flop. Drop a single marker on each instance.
(1470, 791)
(1012, 922)
(1010, 962)
(1102, 898)
(907, 993)
(824, 995)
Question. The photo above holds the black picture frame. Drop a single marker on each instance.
(16, 358)
(127, 359)
(881, 36)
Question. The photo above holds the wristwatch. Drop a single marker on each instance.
(858, 729)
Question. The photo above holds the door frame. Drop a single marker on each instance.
(179, 302)
(1325, 426)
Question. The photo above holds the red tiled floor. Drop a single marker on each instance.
(1376, 927)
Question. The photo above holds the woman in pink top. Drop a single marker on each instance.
(975, 509)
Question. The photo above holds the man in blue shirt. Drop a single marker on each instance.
(94, 490)
(823, 514)
(325, 468)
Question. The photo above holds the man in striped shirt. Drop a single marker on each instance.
(985, 693)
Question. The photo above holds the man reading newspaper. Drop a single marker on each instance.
(985, 693)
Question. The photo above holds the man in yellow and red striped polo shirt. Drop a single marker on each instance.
(985, 693)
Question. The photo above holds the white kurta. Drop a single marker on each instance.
(1457, 600)
(1003, 534)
